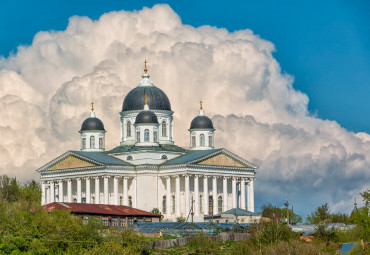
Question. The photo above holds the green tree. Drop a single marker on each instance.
(276, 213)
(156, 211)
(320, 216)
(366, 197)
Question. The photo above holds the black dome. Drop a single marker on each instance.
(92, 123)
(135, 99)
(201, 122)
(146, 117)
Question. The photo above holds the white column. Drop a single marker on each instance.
(187, 195)
(52, 192)
(168, 196)
(106, 190)
(79, 192)
(242, 193)
(251, 196)
(43, 193)
(196, 195)
(214, 194)
(88, 191)
(60, 192)
(205, 195)
(97, 190)
(69, 190)
(134, 181)
(115, 190)
(224, 186)
(234, 192)
(177, 196)
(125, 190)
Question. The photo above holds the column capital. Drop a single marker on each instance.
(96, 177)
(87, 178)
(226, 177)
(117, 177)
(107, 177)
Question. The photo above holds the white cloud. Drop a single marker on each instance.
(46, 89)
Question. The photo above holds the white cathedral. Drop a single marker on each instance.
(147, 170)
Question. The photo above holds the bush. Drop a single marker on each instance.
(203, 244)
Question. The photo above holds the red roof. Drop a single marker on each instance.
(81, 208)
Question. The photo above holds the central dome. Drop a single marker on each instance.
(157, 99)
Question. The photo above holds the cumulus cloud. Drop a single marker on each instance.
(46, 88)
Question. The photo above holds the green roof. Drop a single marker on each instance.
(190, 156)
(161, 147)
(102, 157)
(240, 212)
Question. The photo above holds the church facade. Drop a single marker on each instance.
(147, 170)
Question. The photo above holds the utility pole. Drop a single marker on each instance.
(192, 211)
(293, 220)
(287, 210)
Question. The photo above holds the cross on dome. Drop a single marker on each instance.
(145, 67)
(92, 110)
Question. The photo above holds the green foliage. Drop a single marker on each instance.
(203, 244)
(272, 232)
(366, 197)
(134, 242)
(180, 219)
(325, 234)
(276, 213)
(351, 235)
(320, 216)
(156, 211)
(361, 218)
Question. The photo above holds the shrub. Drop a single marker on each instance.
(203, 244)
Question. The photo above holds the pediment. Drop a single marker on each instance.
(222, 160)
(71, 162)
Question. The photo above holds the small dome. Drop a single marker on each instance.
(146, 117)
(157, 99)
(202, 122)
(92, 123)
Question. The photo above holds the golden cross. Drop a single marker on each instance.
(146, 99)
(145, 69)
(92, 106)
(201, 105)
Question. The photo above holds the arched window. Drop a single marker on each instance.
(92, 141)
(219, 204)
(210, 141)
(193, 141)
(164, 157)
(100, 143)
(121, 200)
(130, 201)
(201, 140)
(164, 204)
(75, 200)
(83, 143)
(128, 128)
(146, 135)
(164, 129)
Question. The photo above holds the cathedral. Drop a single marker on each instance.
(147, 170)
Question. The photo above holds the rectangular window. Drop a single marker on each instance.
(173, 204)
(138, 136)
(210, 141)
(100, 143)
(193, 141)
(83, 143)
(155, 136)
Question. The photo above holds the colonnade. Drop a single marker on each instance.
(238, 194)
(48, 189)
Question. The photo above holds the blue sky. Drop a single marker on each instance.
(325, 45)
